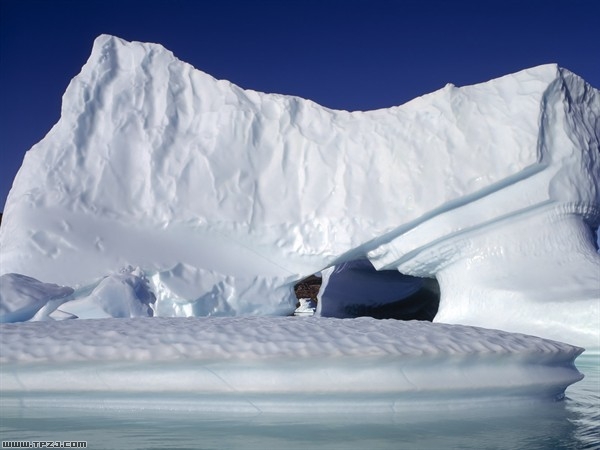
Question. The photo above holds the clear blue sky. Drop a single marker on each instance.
(344, 54)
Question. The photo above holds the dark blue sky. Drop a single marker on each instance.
(344, 54)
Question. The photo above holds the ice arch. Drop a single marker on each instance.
(232, 195)
(357, 289)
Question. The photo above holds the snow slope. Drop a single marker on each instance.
(227, 196)
(274, 364)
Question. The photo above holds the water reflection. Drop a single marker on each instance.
(583, 403)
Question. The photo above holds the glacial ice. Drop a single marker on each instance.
(21, 297)
(225, 197)
(274, 364)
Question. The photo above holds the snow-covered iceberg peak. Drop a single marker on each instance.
(491, 188)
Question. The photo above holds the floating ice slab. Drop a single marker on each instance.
(276, 363)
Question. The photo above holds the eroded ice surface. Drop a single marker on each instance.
(274, 363)
(225, 197)
(21, 297)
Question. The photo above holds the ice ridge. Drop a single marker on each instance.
(490, 188)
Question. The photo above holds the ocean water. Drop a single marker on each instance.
(573, 423)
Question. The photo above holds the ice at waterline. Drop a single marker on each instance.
(267, 364)
(216, 200)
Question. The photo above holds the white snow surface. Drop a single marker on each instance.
(270, 363)
(224, 196)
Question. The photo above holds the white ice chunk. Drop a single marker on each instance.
(124, 294)
(276, 363)
(21, 297)
(307, 307)
(187, 291)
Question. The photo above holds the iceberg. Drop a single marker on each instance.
(275, 364)
(226, 197)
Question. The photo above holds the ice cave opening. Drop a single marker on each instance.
(356, 289)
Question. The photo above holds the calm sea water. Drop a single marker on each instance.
(573, 423)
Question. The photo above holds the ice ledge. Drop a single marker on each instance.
(280, 359)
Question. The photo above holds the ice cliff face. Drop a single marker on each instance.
(228, 195)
